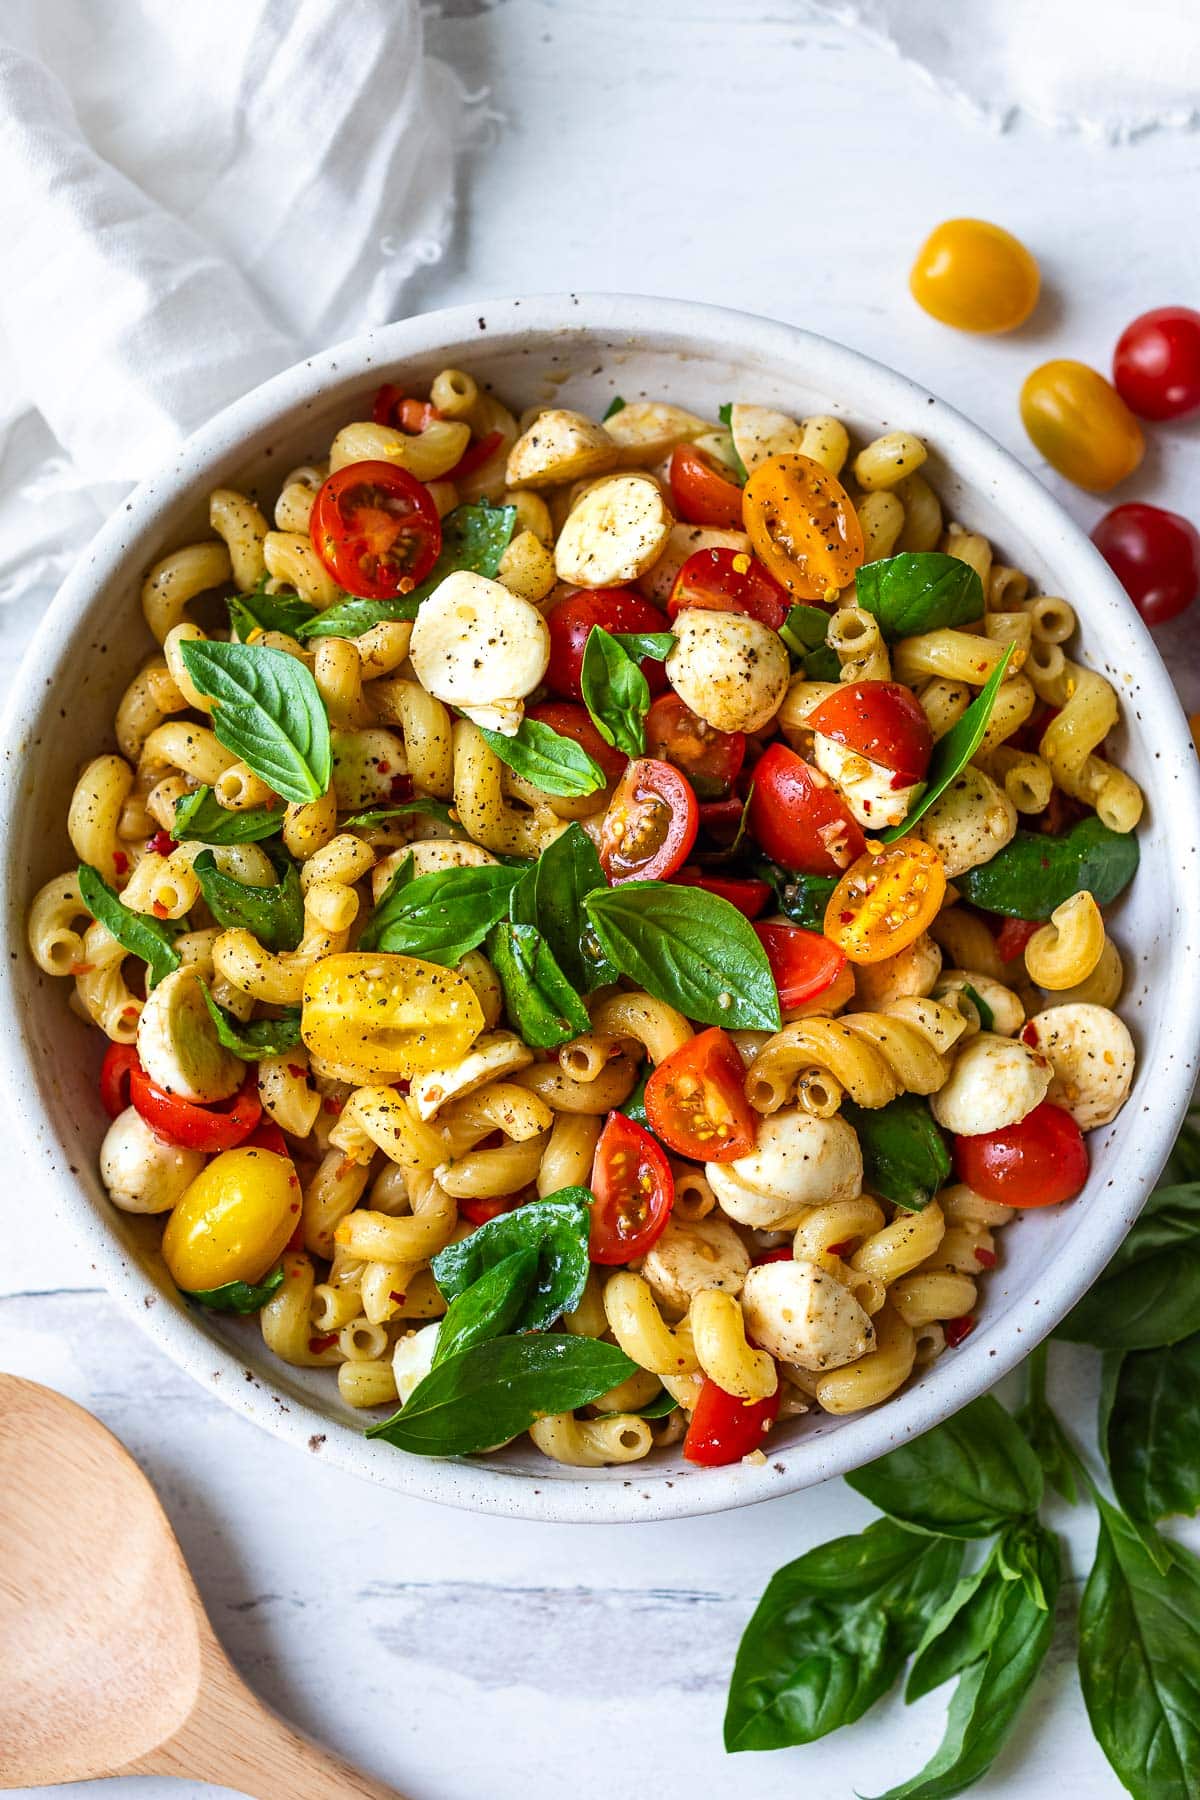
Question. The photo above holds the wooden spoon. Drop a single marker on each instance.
(108, 1664)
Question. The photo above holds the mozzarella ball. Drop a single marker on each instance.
(804, 1316)
(969, 822)
(490, 1058)
(177, 1043)
(559, 446)
(616, 532)
(760, 431)
(866, 786)
(797, 1162)
(995, 1081)
(645, 431)
(1092, 1057)
(909, 975)
(729, 669)
(707, 1253)
(480, 648)
(142, 1172)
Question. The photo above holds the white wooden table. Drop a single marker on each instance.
(758, 156)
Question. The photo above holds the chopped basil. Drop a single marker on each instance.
(952, 753)
(541, 1005)
(442, 915)
(201, 819)
(551, 896)
(1036, 872)
(555, 1230)
(615, 692)
(259, 1038)
(261, 611)
(238, 1296)
(919, 591)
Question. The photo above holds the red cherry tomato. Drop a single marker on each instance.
(803, 963)
(479, 1212)
(724, 1428)
(721, 818)
(880, 720)
(571, 620)
(634, 1189)
(710, 759)
(376, 529)
(120, 1060)
(729, 581)
(781, 1253)
(391, 408)
(650, 826)
(575, 722)
(955, 1330)
(1156, 368)
(474, 456)
(1013, 936)
(1155, 555)
(696, 1102)
(799, 818)
(749, 896)
(267, 1136)
(1040, 1161)
(702, 494)
(208, 1128)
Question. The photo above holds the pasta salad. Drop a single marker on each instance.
(598, 923)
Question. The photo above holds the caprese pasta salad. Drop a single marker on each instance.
(598, 922)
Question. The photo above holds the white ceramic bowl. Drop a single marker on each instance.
(582, 351)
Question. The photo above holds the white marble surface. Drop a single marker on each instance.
(757, 155)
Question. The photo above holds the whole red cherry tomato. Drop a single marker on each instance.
(702, 493)
(749, 896)
(1040, 1161)
(696, 1101)
(710, 759)
(1156, 367)
(1156, 556)
(634, 1192)
(724, 1428)
(803, 963)
(799, 818)
(729, 581)
(575, 722)
(881, 720)
(651, 824)
(571, 621)
(376, 529)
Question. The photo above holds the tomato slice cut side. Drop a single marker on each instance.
(703, 495)
(634, 1193)
(651, 824)
(799, 818)
(803, 526)
(803, 963)
(881, 720)
(729, 581)
(376, 529)
(886, 901)
(696, 1102)
(711, 759)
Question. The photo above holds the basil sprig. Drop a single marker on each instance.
(905, 1158)
(1035, 871)
(554, 763)
(551, 896)
(917, 591)
(268, 712)
(690, 949)
(539, 1001)
(146, 937)
(615, 692)
(274, 915)
(261, 611)
(554, 1230)
(201, 819)
(439, 916)
(238, 1296)
(1150, 1428)
(259, 1038)
(953, 752)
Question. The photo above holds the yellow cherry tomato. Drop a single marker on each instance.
(886, 900)
(803, 526)
(1081, 425)
(975, 276)
(234, 1220)
(379, 1015)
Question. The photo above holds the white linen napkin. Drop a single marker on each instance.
(192, 197)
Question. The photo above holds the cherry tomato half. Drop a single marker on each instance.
(696, 1101)
(703, 495)
(749, 896)
(886, 901)
(1081, 425)
(709, 758)
(120, 1060)
(479, 1211)
(1155, 555)
(570, 623)
(1013, 936)
(1040, 1161)
(882, 721)
(724, 1429)
(651, 824)
(729, 581)
(1156, 366)
(975, 276)
(803, 526)
(208, 1128)
(376, 529)
(799, 818)
(803, 963)
(634, 1189)
(575, 722)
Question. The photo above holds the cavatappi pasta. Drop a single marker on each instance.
(401, 1082)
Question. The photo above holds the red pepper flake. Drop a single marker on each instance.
(120, 862)
(1030, 1034)
(986, 1258)
(781, 1253)
(845, 918)
(162, 843)
(331, 1104)
(297, 1072)
(317, 1344)
(401, 789)
(398, 1298)
(293, 1181)
(958, 1329)
(130, 1012)
(158, 909)
(383, 766)
(296, 1241)
(842, 1249)
(82, 968)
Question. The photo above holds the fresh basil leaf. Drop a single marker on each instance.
(689, 949)
(1139, 1659)
(439, 916)
(661, 1407)
(615, 405)
(551, 896)
(1151, 1432)
(1011, 1633)
(615, 692)
(274, 915)
(261, 1037)
(967, 1478)
(268, 712)
(554, 1229)
(261, 611)
(965, 1625)
(804, 629)
(1047, 1439)
(1035, 872)
(823, 664)
(801, 898)
(200, 819)
(952, 753)
(422, 805)
(496, 1390)
(905, 1158)
(238, 1296)
(148, 938)
(1149, 1294)
(474, 537)
(920, 590)
(740, 472)
(542, 1006)
(832, 1632)
(987, 1017)
(657, 645)
(490, 1307)
(554, 763)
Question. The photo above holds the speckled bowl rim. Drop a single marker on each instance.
(252, 1384)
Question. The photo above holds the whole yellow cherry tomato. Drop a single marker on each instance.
(803, 526)
(379, 1015)
(1081, 425)
(886, 900)
(975, 276)
(233, 1221)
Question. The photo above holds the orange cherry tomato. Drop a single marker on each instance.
(975, 276)
(696, 1103)
(886, 900)
(803, 526)
(1081, 425)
